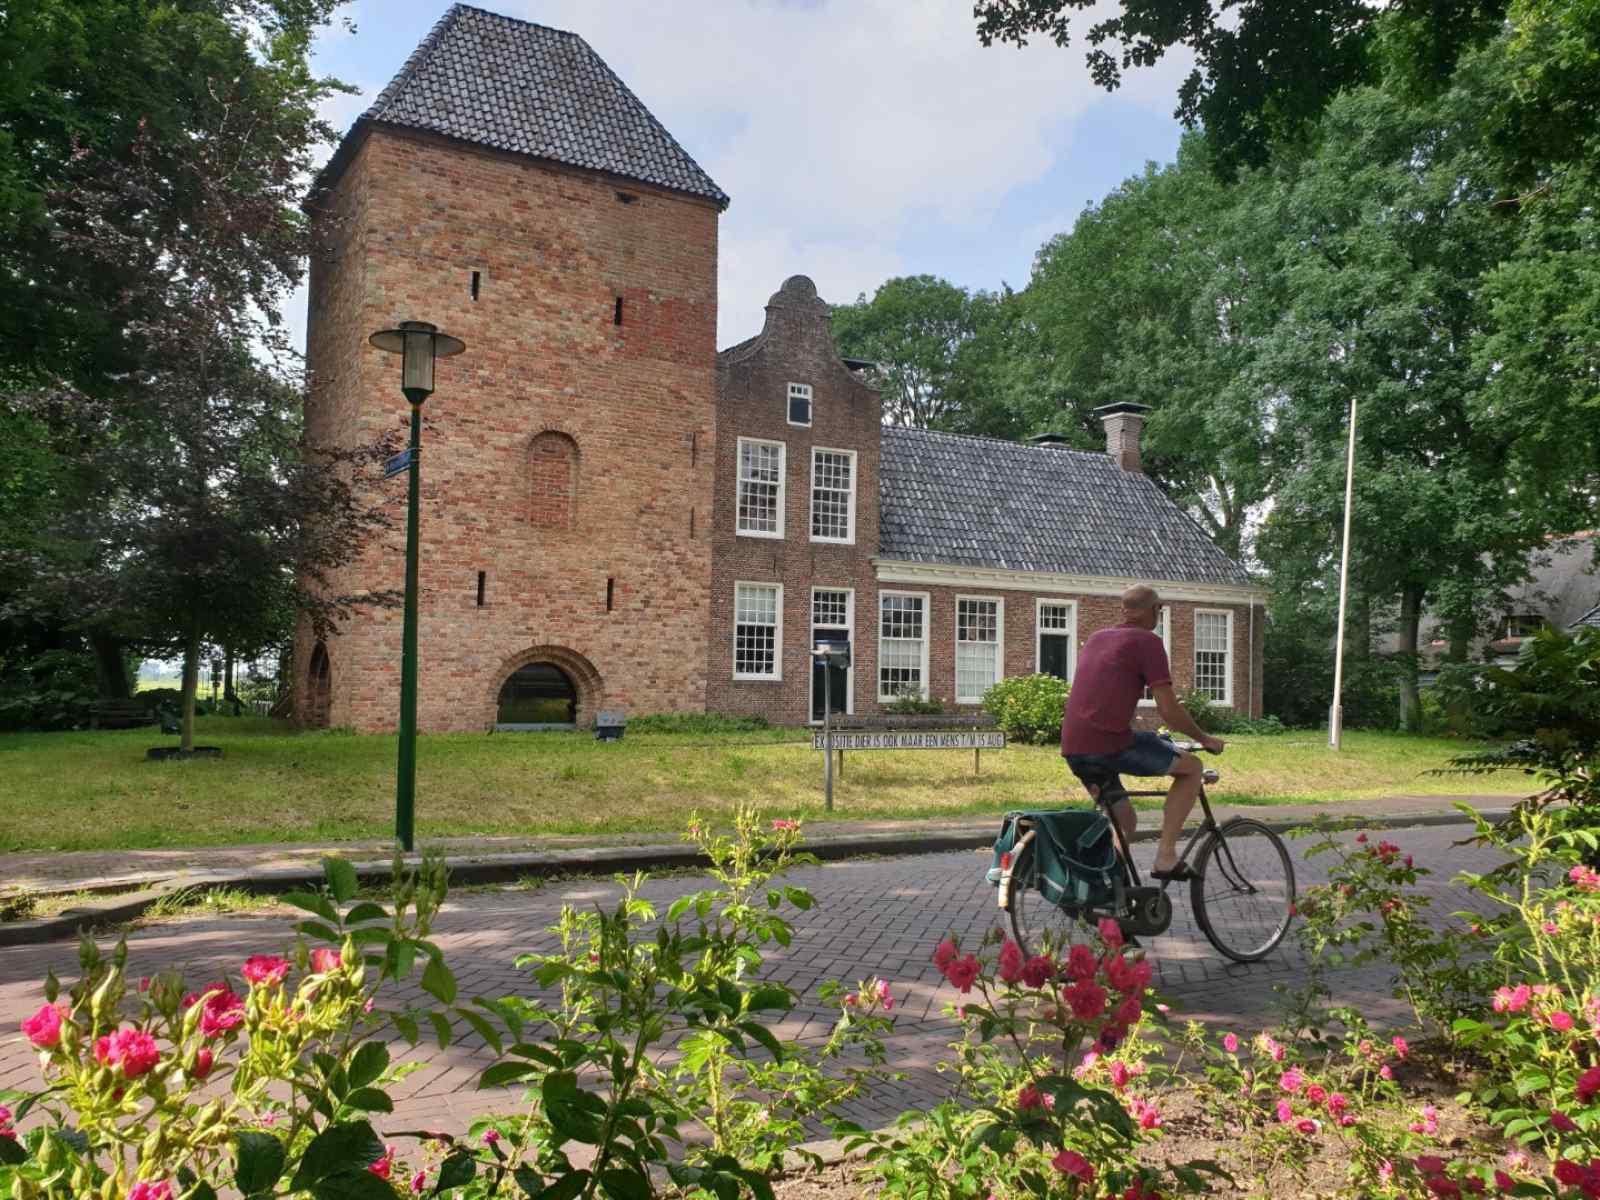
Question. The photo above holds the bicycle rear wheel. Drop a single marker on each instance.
(1039, 926)
(1243, 889)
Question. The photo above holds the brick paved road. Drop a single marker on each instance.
(880, 916)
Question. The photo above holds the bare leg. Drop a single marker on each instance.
(1126, 818)
(1185, 790)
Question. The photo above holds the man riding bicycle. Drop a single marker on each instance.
(1097, 738)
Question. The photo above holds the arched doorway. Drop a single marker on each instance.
(320, 692)
(538, 695)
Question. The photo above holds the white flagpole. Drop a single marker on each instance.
(1336, 713)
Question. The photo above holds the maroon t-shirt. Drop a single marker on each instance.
(1115, 667)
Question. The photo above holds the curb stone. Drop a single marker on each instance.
(606, 861)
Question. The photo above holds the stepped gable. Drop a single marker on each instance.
(983, 502)
(511, 85)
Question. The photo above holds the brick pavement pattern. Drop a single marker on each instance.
(872, 917)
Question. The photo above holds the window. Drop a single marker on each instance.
(1058, 632)
(1163, 631)
(902, 645)
(833, 496)
(1213, 637)
(1522, 625)
(757, 631)
(978, 643)
(799, 404)
(760, 488)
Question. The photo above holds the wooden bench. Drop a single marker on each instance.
(120, 714)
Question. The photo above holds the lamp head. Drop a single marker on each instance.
(418, 343)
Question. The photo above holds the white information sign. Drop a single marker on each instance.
(908, 739)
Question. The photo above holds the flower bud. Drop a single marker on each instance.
(209, 1115)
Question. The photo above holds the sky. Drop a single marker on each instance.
(859, 139)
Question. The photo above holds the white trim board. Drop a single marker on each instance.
(898, 574)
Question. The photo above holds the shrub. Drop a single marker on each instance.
(52, 690)
(911, 704)
(1028, 707)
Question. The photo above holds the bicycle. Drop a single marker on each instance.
(1241, 885)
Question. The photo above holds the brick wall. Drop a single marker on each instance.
(795, 346)
(565, 456)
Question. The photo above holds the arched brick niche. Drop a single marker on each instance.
(552, 480)
(579, 670)
(319, 688)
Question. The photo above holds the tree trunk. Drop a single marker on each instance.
(1410, 620)
(228, 695)
(110, 671)
(191, 682)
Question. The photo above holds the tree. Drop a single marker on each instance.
(206, 519)
(938, 352)
(1263, 73)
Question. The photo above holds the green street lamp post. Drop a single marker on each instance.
(418, 344)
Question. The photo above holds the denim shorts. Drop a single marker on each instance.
(1150, 754)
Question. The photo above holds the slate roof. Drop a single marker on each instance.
(983, 502)
(512, 85)
(1592, 617)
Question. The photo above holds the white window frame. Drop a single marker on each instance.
(798, 389)
(1227, 673)
(1070, 633)
(927, 631)
(777, 638)
(850, 506)
(850, 671)
(1166, 642)
(999, 645)
(738, 486)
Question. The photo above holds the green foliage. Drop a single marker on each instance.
(912, 704)
(1028, 707)
(688, 723)
(50, 690)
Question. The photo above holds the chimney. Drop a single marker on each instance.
(1124, 423)
(1051, 441)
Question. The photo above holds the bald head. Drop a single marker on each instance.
(1140, 604)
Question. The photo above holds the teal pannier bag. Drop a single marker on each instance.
(1075, 850)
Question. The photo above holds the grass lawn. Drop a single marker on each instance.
(80, 791)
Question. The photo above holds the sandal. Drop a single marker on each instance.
(1177, 874)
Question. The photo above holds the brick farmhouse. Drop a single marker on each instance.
(615, 516)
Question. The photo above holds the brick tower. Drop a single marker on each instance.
(509, 188)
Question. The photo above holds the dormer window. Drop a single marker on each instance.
(1523, 625)
(799, 404)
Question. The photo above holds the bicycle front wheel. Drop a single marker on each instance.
(1243, 889)
(1039, 926)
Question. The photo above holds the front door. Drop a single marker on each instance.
(839, 682)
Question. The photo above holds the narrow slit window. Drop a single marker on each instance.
(481, 577)
(616, 313)
(611, 594)
(477, 280)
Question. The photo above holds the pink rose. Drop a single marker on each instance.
(1119, 972)
(1385, 1072)
(1562, 1122)
(384, 1165)
(1011, 961)
(1503, 1181)
(132, 1049)
(1588, 1084)
(1110, 932)
(1029, 1098)
(1120, 1074)
(223, 1011)
(1400, 1047)
(1230, 1043)
(1560, 1021)
(1086, 1000)
(324, 960)
(203, 1063)
(962, 973)
(264, 970)
(1306, 1125)
(1512, 999)
(1082, 964)
(1430, 1164)
(944, 954)
(1038, 970)
(1291, 1080)
(1070, 1162)
(1316, 1093)
(1285, 1111)
(1337, 1103)
(781, 825)
(419, 1182)
(1584, 879)
(884, 998)
(151, 1191)
(44, 1027)
(1568, 1172)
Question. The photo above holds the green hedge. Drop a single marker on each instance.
(1028, 707)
